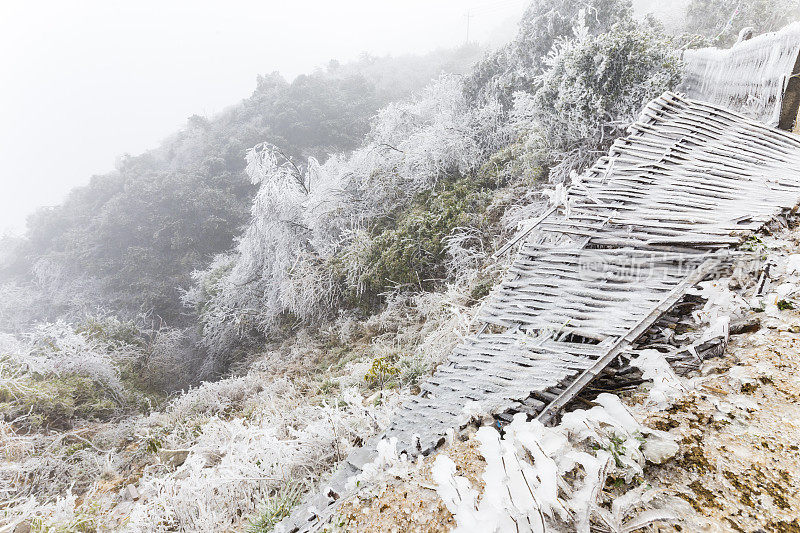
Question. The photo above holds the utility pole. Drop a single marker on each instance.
(468, 15)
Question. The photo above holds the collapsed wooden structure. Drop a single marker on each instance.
(643, 225)
(646, 223)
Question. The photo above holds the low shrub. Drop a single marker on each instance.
(55, 402)
(409, 248)
(275, 508)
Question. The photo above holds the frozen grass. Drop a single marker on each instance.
(275, 509)
(290, 416)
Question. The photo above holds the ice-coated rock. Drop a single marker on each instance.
(659, 449)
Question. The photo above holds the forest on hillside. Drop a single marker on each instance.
(128, 240)
(219, 320)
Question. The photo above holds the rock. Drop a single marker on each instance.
(130, 494)
(174, 458)
(745, 325)
(122, 511)
(658, 450)
(23, 527)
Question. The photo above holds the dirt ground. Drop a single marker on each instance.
(739, 466)
(412, 505)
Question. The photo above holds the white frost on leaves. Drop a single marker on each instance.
(304, 213)
(241, 461)
(541, 479)
(568, 121)
(59, 349)
(666, 384)
(720, 301)
(387, 465)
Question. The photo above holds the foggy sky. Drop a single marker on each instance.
(85, 81)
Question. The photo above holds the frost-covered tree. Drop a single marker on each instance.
(304, 215)
(722, 20)
(594, 86)
(245, 292)
(52, 292)
(516, 66)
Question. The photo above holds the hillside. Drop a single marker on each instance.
(135, 235)
(199, 340)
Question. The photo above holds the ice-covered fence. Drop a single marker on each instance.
(636, 230)
(754, 77)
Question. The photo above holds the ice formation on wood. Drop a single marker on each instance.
(689, 179)
(527, 481)
(752, 77)
(633, 235)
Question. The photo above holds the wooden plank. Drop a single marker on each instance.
(524, 233)
(624, 343)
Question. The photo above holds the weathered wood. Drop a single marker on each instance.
(624, 342)
(646, 223)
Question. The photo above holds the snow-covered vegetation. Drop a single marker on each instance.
(286, 326)
(594, 86)
(540, 479)
(318, 237)
(78, 437)
(301, 218)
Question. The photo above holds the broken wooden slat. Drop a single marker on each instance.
(625, 342)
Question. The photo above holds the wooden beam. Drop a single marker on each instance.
(574, 388)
